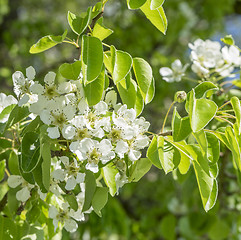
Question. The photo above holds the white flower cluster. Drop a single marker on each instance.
(93, 136)
(208, 57)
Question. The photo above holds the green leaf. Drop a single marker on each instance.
(128, 95)
(144, 77)
(156, 4)
(152, 153)
(90, 186)
(108, 172)
(78, 24)
(139, 105)
(237, 110)
(91, 58)
(47, 42)
(33, 214)
(100, 199)
(70, 70)
(168, 225)
(204, 88)
(219, 230)
(180, 126)
(100, 31)
(201, 112)
(228, 39)
(94, 90)
(30, 158)
(71, 199)
(157, 16)
(202, 141)
(16, 115)
(139, 169)
(97, 8)
(208, 187)
(33, 126)
(46, 156)
(2, 169)
(121, 64)
(168, 154)
(135, 4)
(13, 164)
(213, 150)
(37, 174)
(6, 111)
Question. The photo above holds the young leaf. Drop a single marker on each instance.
(2, 169)
(94, 90)
(180, 126)
(13, 164)
(168, 154)
(135, 4)
(144, 77)
(208, 187)
(152, 153)
(71, 199)
(122, 62)
(108, 172)
(6, 111)
(46, 156)
(47, 42)
(128, 96)
(90, 186)
(213, 150)
(16, 115)
(91, 58)
(70, 70)
(139, 105)
(237, 110)
(30, 158)
(157, 16)
(139, 169)
(34, 125)
(201, 112)
(204, 88)
(100, 31)
(78, 24)
(156, 4)
(100, 199)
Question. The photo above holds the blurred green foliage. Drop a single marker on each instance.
(159, 206)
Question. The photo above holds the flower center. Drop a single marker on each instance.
(115, 134)
(94, 157)
(82, 133)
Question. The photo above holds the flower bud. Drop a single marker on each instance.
(180, 96)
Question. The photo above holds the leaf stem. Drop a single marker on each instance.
(106, 45)
(191, 80)
(165, 119)
(225, 120)
(7, 172)
(224, 105)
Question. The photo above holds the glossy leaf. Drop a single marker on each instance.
(70, 70)
(34, 125)
(208, 187)
(139, 169)
(157, 16)
(180, 126)
(6, 111)
(13, 164)
(213, 150)
(144, 77)
(108, 173)
(29, 158)
(46, 156)
(100, 199)
(156, 4)
(201, 112)
(71, 199)
(94, 90)
(135, 4)
(78, 24)
(168, 154)
(90, 186)
(152, 153)
(47, 42)
(122, 62)
(237, 110)
(91, 58)
(100, 31)
(16, 115)
(2, 169)
(203, 89)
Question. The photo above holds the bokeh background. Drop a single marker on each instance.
(159, 206)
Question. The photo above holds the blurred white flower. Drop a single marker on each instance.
(175, 73)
